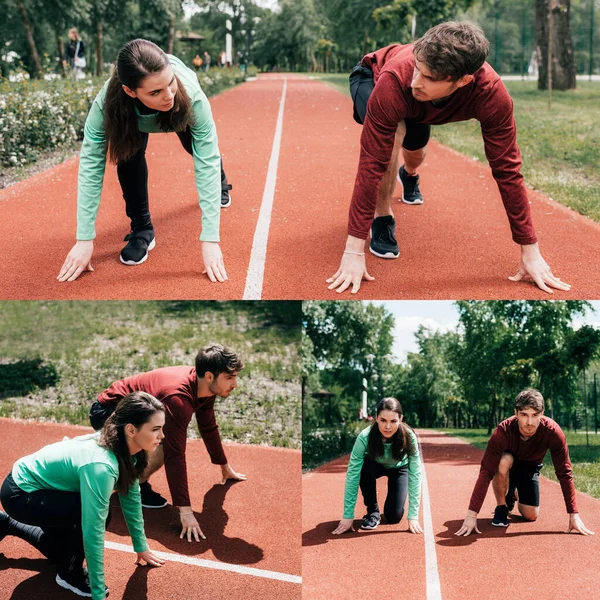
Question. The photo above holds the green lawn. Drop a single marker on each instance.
(585, 459)
(57, 356)
(560, 147)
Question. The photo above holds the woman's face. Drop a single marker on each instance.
(148, 436)
(388, 422)
(157, 91)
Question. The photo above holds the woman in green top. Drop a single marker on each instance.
(58, 498)
(388, 447)
(148, 92)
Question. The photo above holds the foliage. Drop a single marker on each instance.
(324, 444)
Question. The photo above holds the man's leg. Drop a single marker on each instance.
(528, 487)
(156, 460)
(413, 159)
(500, 484)
(414, 150)
(150, 498)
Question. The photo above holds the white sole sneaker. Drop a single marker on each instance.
(417, 202)
(154, 506)
(68, 586)
(228, 204)
(386, 255)
(139, 262)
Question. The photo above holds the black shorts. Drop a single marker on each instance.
(99, 414)
(361, 88)
(524, 477)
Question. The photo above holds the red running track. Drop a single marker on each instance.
(526, 561)
(253, 524)
(457, 245)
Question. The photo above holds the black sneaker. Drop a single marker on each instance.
(370, 521)
(138, 245)
(150, 498)
(411, 194)
(78, 582)
(4, 523)
(225, 197)
(383, 241)
(500, 516)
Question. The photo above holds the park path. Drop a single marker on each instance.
(241, 558)
(528, 561)
(290, 149)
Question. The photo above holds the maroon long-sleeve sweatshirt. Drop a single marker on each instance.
(177, 389)
(485, 99)
(506, 438)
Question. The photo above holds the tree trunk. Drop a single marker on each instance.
(99, 59)
(492, 419)
(35, 57)
(61, 52)
(563, 62)
(171, 33)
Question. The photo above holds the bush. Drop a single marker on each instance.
(37, 116)
(322, 445)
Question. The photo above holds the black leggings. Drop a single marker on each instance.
(393, 509)
(49, 520)
(133, 177)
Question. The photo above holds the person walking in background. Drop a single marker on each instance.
(74, 56)
(206, 58)
(58, 499)
(387, 448)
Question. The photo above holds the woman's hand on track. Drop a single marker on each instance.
(469, 525)
(344, 525)
(149, 558)
(576, 524)
(413, 526)
(78, 260)
(534, 267)
(214, 266)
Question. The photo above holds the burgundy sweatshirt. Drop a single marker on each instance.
(506, 438)
(485, 99)
(177, 389)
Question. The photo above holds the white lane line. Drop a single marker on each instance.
(434, 590)
(256, 267)
(212, 564)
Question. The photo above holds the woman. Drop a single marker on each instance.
(388, 447)
(58, 498)
(74, 55)
(148, 92)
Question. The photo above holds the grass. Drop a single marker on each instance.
(58, 356)
(585, 460)
(560, 147)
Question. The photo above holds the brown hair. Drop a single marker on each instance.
(402, 443)
(136, 408)
(216, 358)
(136, 60)
(529, 398)
(453, 49)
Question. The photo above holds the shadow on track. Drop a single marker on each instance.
(322, 533)
(44, 579)
(164, 527)
(137, 585)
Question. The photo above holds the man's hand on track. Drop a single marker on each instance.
(576, 524)
(534, 267)
(469, 525)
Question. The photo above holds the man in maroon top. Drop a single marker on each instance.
(513, 460)
(184, 391)
(398, 93)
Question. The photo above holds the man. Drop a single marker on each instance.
(398, 93)
(513, 460)
(184, 391)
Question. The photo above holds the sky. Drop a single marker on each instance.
(440, 315)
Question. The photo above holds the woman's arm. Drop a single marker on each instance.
(414, 479)
(131, 505)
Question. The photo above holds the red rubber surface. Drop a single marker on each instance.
(528, 561)
(456, 245)
(386, 563)
(254, 523)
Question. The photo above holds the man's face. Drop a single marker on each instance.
(224, 384)
(157, 90)
(529, 420)
(425, 88)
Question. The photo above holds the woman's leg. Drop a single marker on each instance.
(49, 520)
(369, 474)
(133, 177)
(393, 509)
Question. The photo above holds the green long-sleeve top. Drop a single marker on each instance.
(359, 451)
(81, 465)
(205, 148)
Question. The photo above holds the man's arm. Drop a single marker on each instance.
(563, 469)
(499, 133)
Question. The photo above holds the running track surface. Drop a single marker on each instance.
(456, 245)
(527, 561)
(253, 524)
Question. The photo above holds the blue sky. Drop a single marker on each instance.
(439, 315)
